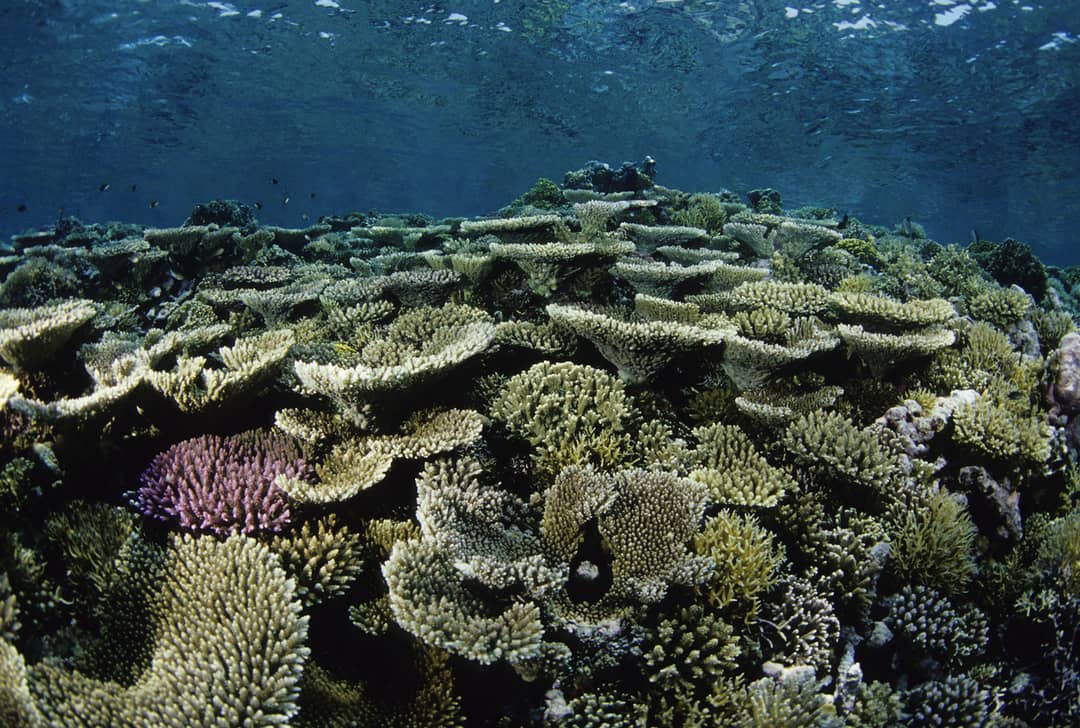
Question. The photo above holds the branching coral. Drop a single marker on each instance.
(746, 561)
(571, 413)
(222, 485)
(235, 659)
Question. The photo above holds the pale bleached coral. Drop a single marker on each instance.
(879, 312)
(418, 348)
(429, 598)
(248, 363)
(17, 708)
(749, 363)
(545, 338)
(526, 229)
(794, 299)
(664, 280)
(547, 265)
(30, 336)
(350, 467)
(882, 351)
(648, 238)
(652, 308)
(639, 349)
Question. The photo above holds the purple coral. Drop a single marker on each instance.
(222, 484)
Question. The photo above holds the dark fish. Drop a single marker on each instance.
(311, 195)
(273, 180)
(134, 187)
(21, 207)
(974, 235)
(843, 222)
(103, 186)
(258, 205)
(153, 204)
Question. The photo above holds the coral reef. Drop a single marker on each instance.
(620, 456)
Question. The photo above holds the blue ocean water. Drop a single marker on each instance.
(960, 115)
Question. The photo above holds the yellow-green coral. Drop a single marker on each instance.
(833, 445)
(1000, 306)
(733, 470)
(571, 413)
(746, 559)
(933, 542)
(1003, 436)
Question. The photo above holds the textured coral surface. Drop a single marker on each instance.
(635, 458)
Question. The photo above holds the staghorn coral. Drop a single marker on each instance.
(834, 446)
(17, 708)
(927, 621)
(638, 349)
(800, 625)
(231, 661)
(688, 648)
(1000, 435)
(222, 484)
(790, 699)
(933, 540)
(957, 700)
(746, 561)
(1001, 307)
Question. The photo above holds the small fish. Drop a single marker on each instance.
(258, 205)
(103, 187)
(974, 237)
(304, 216)
(273, 180)
(843, 222)
(21, 207)
(153, 204)
(311, 195)
(905, 227)
(134, 187)
(286, 200)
